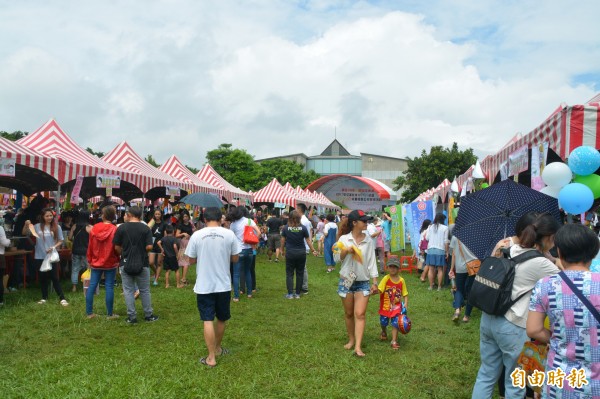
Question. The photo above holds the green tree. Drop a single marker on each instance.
(234, 165)
(429, 170)
(150, 159)
(99, 154)
(14, 136)
(192, 169)
(285, 171)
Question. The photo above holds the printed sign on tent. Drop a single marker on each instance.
(279, 205)
(108, 181)
(539, 154)
(77, 189)
(7, 167)
(518, 161)
(172, 192)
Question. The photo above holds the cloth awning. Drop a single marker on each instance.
(274, 192)
(209, 175)
(123, 156)
(176, 169)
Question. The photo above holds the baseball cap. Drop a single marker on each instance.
(359, 215)
(393, 261)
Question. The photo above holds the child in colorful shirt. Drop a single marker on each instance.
(393, 300)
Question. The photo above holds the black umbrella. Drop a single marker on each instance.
(489, 215)
(204, 200)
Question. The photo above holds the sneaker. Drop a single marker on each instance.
(12, 289)
(430, 288)
(304, 292)
(276, 260)
(64, 302)
(151, 318)
(155, 283)
(297, 296)
(42, 301)
(289, 296)
(112, 316)
(92, 315)
(439, 288)
(129, 320)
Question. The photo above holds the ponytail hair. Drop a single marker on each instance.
(543, 226)
(345, 227)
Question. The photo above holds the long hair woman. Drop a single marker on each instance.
(357, 255)
(50, 237)
(155, 257)
(422, 253)
(501, 338)
(437, 250)
(184, 231)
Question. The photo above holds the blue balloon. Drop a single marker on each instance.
(576, 198)
(584, 160)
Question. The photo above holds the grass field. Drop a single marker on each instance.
(279, 348)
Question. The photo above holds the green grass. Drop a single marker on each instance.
(279, 348)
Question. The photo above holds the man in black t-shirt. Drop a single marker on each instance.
(274, 224)
(139, 234)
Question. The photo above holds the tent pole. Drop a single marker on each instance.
(143, 206)
(57, 200)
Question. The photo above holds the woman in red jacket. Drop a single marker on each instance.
(102, 258)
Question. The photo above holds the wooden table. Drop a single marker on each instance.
(23, 253)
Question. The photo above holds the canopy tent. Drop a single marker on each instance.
(174, 168)
(274, 192)
(209, 175)
(34, 172)
(300, 195)
(52, 141)
(153, 181)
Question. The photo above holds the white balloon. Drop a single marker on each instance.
(551, 191)
(557, 174)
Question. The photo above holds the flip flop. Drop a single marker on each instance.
(224, 351)
(357, 355)
(204, 362)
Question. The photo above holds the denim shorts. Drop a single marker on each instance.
(357, 286)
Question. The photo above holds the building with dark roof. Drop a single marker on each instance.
(335, 159)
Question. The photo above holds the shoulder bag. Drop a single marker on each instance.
(580, 295)
(472, 265)
(250, 236)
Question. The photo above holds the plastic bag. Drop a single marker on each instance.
(54, 257)
(86, 275)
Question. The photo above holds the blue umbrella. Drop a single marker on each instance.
(489, 215)
(204, 200)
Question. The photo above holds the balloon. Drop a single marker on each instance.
(576, 198)
(592, 181)
(485, 185)
(584, 160)
(551, 191)
(557, 174)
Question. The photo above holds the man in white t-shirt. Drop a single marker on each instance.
(301, 208)
(213, 248)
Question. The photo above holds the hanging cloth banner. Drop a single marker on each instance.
(539, 154)
(518, 161)
(77, 188)
(450, 211)
(397, 228)
(172, 192)
(419, 212)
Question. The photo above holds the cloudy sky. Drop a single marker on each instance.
(279, 77)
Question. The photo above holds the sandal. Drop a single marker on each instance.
(204, 362)
(224, 351)
(456, 315)
(466, 319)
(383, 336)
(395, 345)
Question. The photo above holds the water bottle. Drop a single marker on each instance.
(453, 282)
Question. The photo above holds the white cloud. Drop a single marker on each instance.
(275, 78)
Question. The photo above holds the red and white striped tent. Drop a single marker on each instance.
(300, 195)
(34, 171)
(209, 175)
(327, 203)
(174, 168)
(566, 129)
(52, 141)
(274, 192)
(123, 156)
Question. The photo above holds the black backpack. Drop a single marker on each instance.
(492, 289)
(134, 263)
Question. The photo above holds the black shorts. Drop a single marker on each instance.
(217, 303)
(170, 263)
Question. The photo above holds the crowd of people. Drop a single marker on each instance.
(546, 285)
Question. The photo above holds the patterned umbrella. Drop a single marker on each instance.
(489, 215)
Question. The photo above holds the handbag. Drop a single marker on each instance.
(472, 265)
(250, 236)
(580, 295)
(348, 280)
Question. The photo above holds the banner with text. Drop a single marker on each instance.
(355, 194)
(518, 161)
(108, 181)
(7, 167)
(419, 211)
